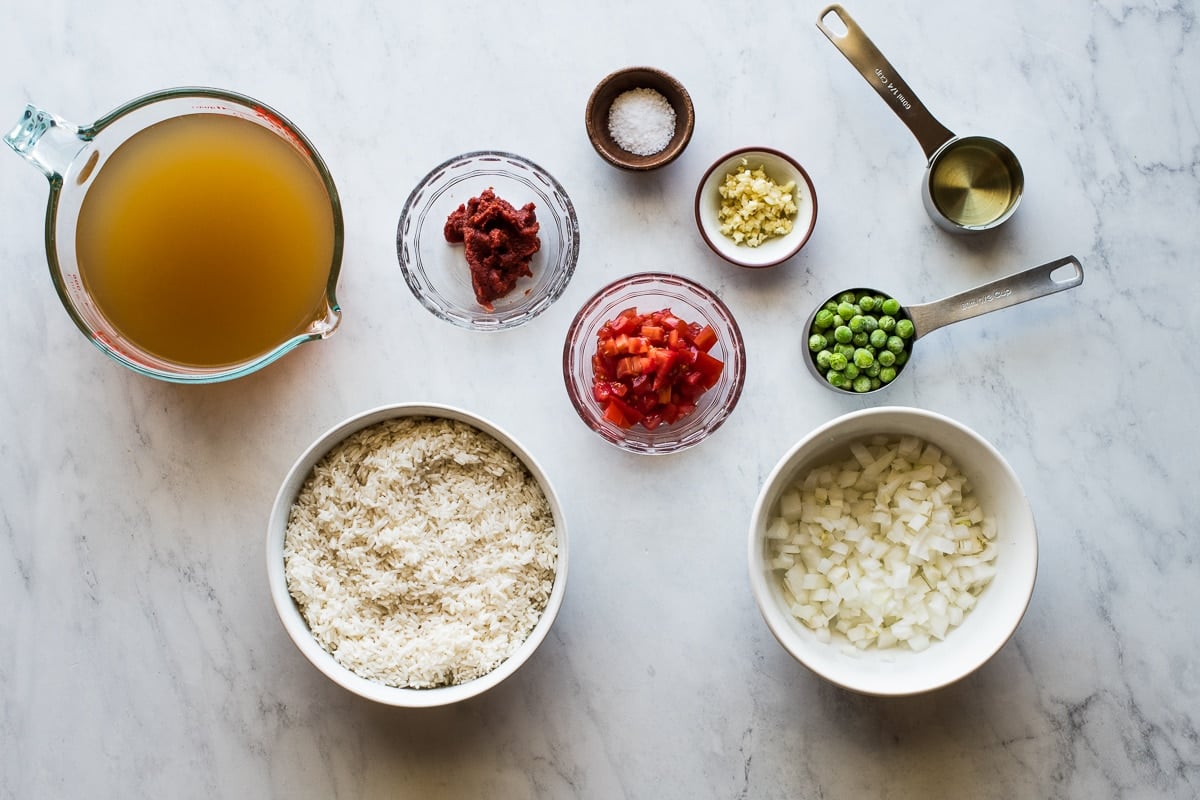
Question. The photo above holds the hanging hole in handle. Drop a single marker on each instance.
(833, 22)
(1069, 273)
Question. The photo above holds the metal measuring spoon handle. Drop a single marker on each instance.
(1003, 293)
(866, 58)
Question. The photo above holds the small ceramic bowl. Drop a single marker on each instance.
(691, 302)
(292, 618)
(780, 168)
(623, 80)
(437, 271)
(984, 629)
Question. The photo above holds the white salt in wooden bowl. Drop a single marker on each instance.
(598, 117)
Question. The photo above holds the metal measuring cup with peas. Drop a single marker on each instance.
(859, 340)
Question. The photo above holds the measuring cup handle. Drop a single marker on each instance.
(1003, 293)
(866, 58)
(48, 142)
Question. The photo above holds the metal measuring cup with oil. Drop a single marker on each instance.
(972, 183)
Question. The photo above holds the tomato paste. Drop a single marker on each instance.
(499, 240)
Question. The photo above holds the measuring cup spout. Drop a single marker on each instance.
(48, 142)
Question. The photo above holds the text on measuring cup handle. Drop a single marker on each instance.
(990, 297)
(893, 88)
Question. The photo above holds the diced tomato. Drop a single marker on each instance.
(705, 339)
(652, 368)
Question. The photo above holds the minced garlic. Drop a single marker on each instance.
(753, 207)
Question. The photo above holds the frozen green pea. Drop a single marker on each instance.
(847, 297)
(887, 324)
(876, 383)
(845, 310)
(887, 375)
(817, 342)
(837, 362)
(842, 334)
(870, 324)
(831, 307)
(863, 358)
(901, 358)
(823, 319)
(851, 371)
(872, 371)
(886, 358)
(846, 350)
(835, 378)
(895, 344)
(867, 303)
(856, 323)
(905, 329)
(823, 360)
(890, 306)
(860, 339)
(878, 339)
(862, 384)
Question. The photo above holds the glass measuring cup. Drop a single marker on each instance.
(1050, 278)
(972, 183)
(74, 159)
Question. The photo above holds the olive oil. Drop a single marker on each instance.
(207, 240)
(972, 185)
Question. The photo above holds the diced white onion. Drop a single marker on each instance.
(886, 547)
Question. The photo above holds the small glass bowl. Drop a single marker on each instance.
(654, 291)
(437, 272)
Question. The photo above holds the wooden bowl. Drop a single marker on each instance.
(621, 81)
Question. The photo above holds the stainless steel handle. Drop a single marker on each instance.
(866, 58)
(1003, 293)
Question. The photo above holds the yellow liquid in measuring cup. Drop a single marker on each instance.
(972, 185)
(207, 240)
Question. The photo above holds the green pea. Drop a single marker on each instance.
(887, 324)
(870, 324)
(867, 303)
(905, 329)
(863, 358)
(842, 334)
(862, 384)
(872, 371)
(851, 371)
(845, 310)
(878, 339)
(823, 319)
(901, 358)
(817, 342)
(886, 358)
(837, 362)
(823, 360)
(831, 307)
(846, 350)
(887, 375)
(835, 378)
(856, 323)
(890, 306)
(861, 339)
(895, 344)
(876, 383)
(847, 297)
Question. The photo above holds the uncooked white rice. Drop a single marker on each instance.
(421, 552)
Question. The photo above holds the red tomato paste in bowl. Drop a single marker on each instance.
(499, 240)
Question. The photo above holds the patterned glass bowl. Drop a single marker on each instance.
(437, 272)
(691, 302)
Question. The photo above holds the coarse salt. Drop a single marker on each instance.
(641, 121)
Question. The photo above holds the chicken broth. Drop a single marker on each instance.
(207, 240)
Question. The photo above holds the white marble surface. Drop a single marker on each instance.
(139, 652)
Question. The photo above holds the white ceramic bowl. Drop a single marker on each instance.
(781, 168)
(984, 630)
(289, 612)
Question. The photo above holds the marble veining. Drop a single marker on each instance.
(140, 655)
